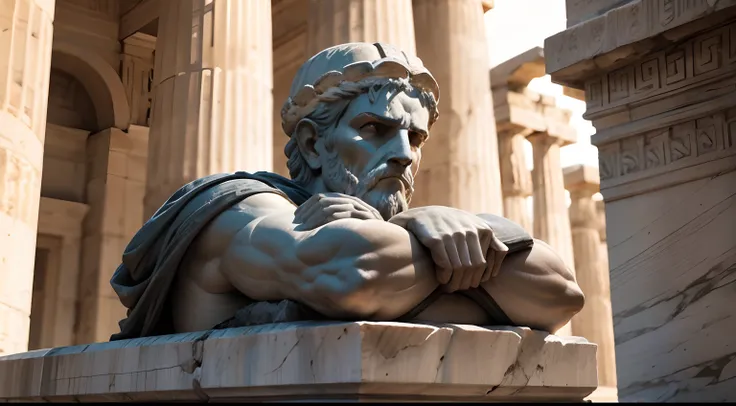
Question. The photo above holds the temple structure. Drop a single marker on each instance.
(108, 106)
(658, 78)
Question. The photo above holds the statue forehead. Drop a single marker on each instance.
(392, 105)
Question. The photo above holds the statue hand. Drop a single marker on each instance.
(463, 246)
(324, 208)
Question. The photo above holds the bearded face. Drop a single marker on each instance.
(382, 187)
(374, 150)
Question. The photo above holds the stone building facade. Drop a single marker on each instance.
(108, 106)
(659, 81)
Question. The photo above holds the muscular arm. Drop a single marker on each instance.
(347, 268)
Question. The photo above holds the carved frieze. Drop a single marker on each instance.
(710, 55)
(684, 141)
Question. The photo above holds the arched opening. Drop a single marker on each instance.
(100, 81)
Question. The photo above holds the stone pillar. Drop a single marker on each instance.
(595, 321)
(659, 78)
(334, 22)
(551, 221)
(116, 184)
(137, 75)
(212, 103)
(26, 31)
(460, 163)
(518, 113)
(516, 180)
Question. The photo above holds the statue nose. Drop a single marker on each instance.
(401, 153)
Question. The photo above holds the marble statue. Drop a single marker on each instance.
(338, 240)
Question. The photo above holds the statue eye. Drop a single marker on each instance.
(373, 128)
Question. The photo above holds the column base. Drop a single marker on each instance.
(312, 361)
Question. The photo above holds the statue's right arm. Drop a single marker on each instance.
(346, 268)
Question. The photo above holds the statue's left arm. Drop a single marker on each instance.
(533, 286)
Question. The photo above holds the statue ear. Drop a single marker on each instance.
(306, 138)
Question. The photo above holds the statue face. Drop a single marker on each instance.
(374, 150)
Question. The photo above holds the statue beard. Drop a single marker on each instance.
(338, 178)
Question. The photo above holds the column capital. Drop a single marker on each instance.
(561, 135)
(583, 180)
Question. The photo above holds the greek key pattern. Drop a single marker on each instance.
(703, 57)
(654, 149)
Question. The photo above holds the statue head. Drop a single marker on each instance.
(357, 116)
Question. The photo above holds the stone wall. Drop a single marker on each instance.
(659, 79)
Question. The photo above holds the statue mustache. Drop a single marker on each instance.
(385, 171)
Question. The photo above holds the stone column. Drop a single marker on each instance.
(551, 221)
(116, 184)
(460, 162)
(212, 103)
(595, 321)
(334, 22)
(516, 180)
(659, 78)
(26, 31)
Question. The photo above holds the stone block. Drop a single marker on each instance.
(312, 361)
(628, 31)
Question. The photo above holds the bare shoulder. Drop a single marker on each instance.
(216, 236)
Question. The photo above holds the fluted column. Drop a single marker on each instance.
(26, 31)
(460, 162)
(334, 22)
(516, 180)
(595, 321)
(212, 107)
(551, 220)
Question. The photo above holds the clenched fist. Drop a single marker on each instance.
(325, 208)
(463, 247)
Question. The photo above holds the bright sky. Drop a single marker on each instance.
(514, 26)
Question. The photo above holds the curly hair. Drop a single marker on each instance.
(332, 103)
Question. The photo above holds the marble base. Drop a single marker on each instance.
(312, 361)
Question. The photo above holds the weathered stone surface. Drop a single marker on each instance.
(213, 101)
(459, 168)
(344, 21)
(627, 32)
(26, 31)
(594, 322)
(335, 360)
(659, 83)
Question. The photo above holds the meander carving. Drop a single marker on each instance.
(702, 58)
(338, 240)
(699, 61)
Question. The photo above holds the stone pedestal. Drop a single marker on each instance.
(330, 361)
(212, 103)
(26, 31)
(460, 162)
(659, 79)
(594, 322)
(334, 22)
